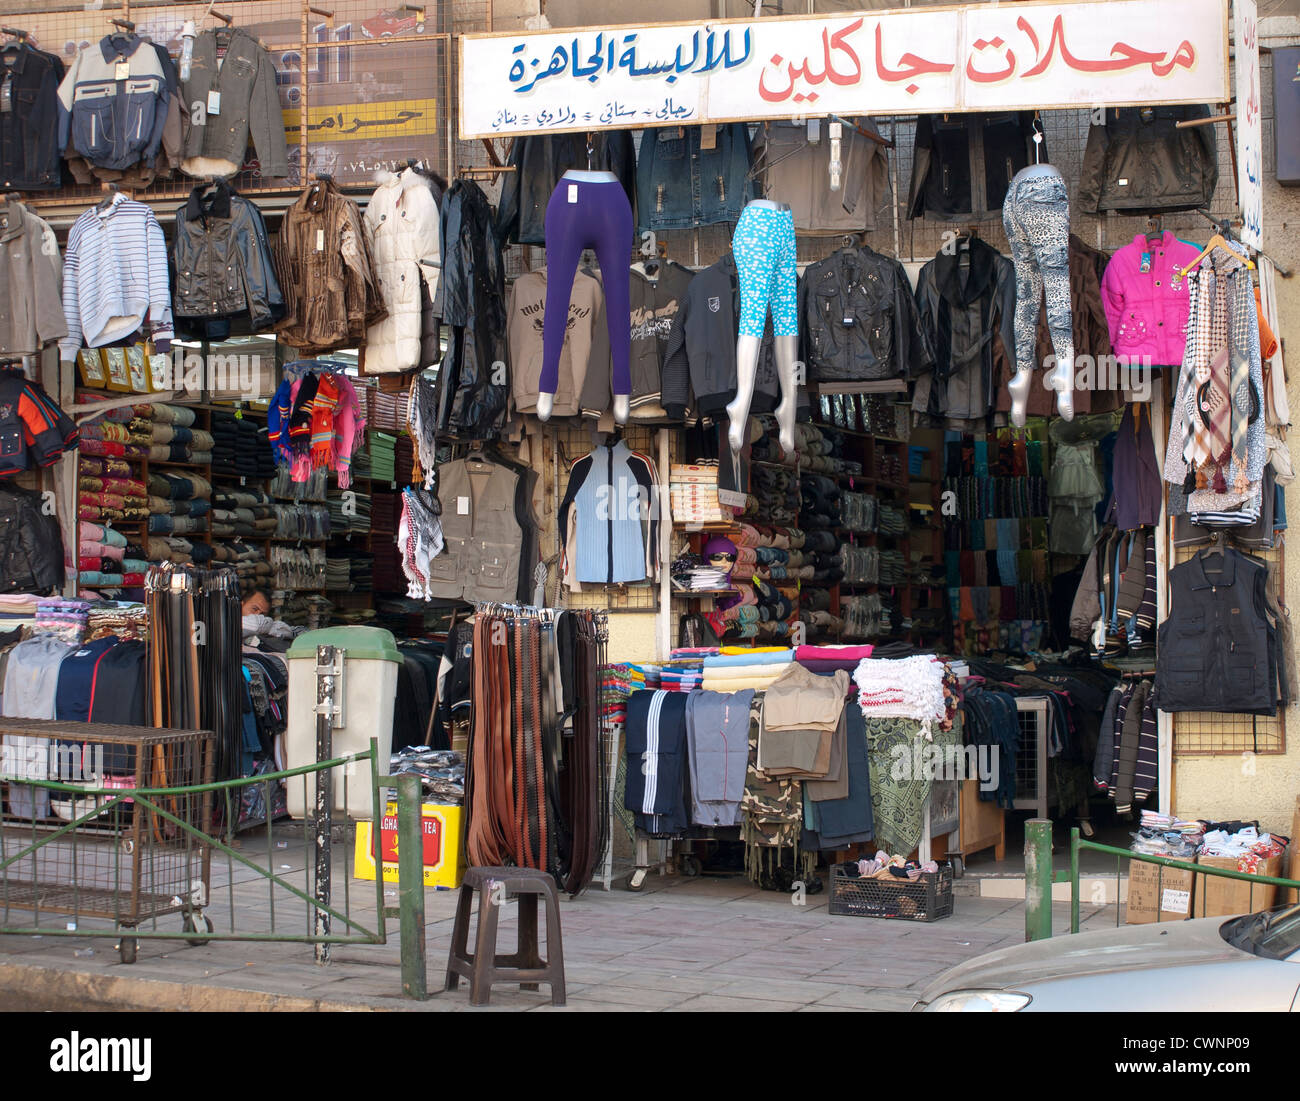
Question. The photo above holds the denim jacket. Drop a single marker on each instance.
(680, 185)
(114, 122)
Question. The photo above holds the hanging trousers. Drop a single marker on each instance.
(585, 214)
(1036, 216)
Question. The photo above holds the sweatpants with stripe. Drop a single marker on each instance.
(656, 760)
(717, 737)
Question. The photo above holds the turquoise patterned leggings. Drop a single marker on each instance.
(763, 246)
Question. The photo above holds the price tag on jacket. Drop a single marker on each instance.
(462, 506)
(122, 70)
(573, 193)
(709, 136)
(320, 240)
(6, 96)
(214, 102)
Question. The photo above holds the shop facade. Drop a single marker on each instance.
(894, 139)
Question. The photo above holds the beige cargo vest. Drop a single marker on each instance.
(483, 538)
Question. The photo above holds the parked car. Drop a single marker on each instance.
(388, 24)
(1208, 965)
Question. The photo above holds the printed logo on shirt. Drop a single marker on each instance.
(715, 304)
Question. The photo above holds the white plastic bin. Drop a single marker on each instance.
(369, 690)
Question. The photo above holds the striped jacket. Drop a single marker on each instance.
(616, 530)
(114, 276)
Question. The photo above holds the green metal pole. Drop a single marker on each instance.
(410, 887)
(1038, 879)
(1074, 880)
(377, 812)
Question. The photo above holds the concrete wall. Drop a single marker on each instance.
(1262, 787)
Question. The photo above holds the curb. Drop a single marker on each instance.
(33, 987)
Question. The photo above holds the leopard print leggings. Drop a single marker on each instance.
(1036, 216)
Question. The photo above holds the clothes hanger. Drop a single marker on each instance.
(1155, 229)
(1037, 127)
(1220, 242)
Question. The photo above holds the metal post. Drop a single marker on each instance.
(1038, 879)
(1074, 880)
(324, 794)
(410, 886)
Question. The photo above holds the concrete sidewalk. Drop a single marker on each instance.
(680, 944)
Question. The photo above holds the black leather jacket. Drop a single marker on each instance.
(540, 161)
(472, 392)
(1138, 159)
(222, 260)
(859, 319)
(31, 546)
(943, 162)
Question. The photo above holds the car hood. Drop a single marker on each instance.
(1130, 948)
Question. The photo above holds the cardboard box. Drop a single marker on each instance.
(1220, 897)
(1156, 893)
(444, 861)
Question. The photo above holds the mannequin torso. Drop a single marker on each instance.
(586, 175)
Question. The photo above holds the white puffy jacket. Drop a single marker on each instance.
(402, 221)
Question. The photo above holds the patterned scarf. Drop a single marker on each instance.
(322, 421)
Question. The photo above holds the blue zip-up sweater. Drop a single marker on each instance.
(613, 490)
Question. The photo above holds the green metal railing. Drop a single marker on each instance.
(1039, 877)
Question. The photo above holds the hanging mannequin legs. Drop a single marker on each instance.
(545, 403)
(787, 351)
(1062, 381)
(622, 404)
(747, 349)
(1018, 387)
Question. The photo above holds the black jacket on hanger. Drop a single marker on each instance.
(29, 129)
(859, 320)
(967, 305)
(471, 298)
(944, 162)
(539, 162)
(1138, 159)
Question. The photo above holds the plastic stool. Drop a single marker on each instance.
(526, 967)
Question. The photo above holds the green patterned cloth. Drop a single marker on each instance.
(899, 789)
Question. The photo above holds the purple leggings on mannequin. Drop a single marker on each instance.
(600, 219)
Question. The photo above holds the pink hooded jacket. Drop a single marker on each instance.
(1147, 311)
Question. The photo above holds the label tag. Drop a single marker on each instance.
(214, 102)
(7, 96)
(1122, 181)
(122, 70)
(320, 240)
(462, 506)
(1146, 262)
(1175, 902)
(709, 136)
(573, 193)
(848, 322)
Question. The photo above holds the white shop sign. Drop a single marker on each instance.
(1250, 127)
(911, 61)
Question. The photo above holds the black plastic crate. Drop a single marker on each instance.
(928, 898)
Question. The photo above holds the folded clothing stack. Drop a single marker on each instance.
(65, 618)
(338, 572)
(240, 447)
(243, 512)
(349, 511)
(404, 460)
(383, 449)
(361, 568)
(385, 514)
(179, 503)
(248, 561)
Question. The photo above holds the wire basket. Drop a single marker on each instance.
(927, 898)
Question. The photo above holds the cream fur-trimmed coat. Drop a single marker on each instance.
(402, 222)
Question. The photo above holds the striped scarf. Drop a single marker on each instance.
(322, 421)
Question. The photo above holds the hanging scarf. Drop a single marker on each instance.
(322, 422)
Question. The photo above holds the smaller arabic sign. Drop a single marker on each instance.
(981, 57)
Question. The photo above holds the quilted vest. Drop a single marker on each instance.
(1215, 652)
(483, 539)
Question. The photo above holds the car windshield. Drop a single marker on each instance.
(1274, 934)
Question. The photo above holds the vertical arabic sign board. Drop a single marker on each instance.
(1250, 127)
(910, 61)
